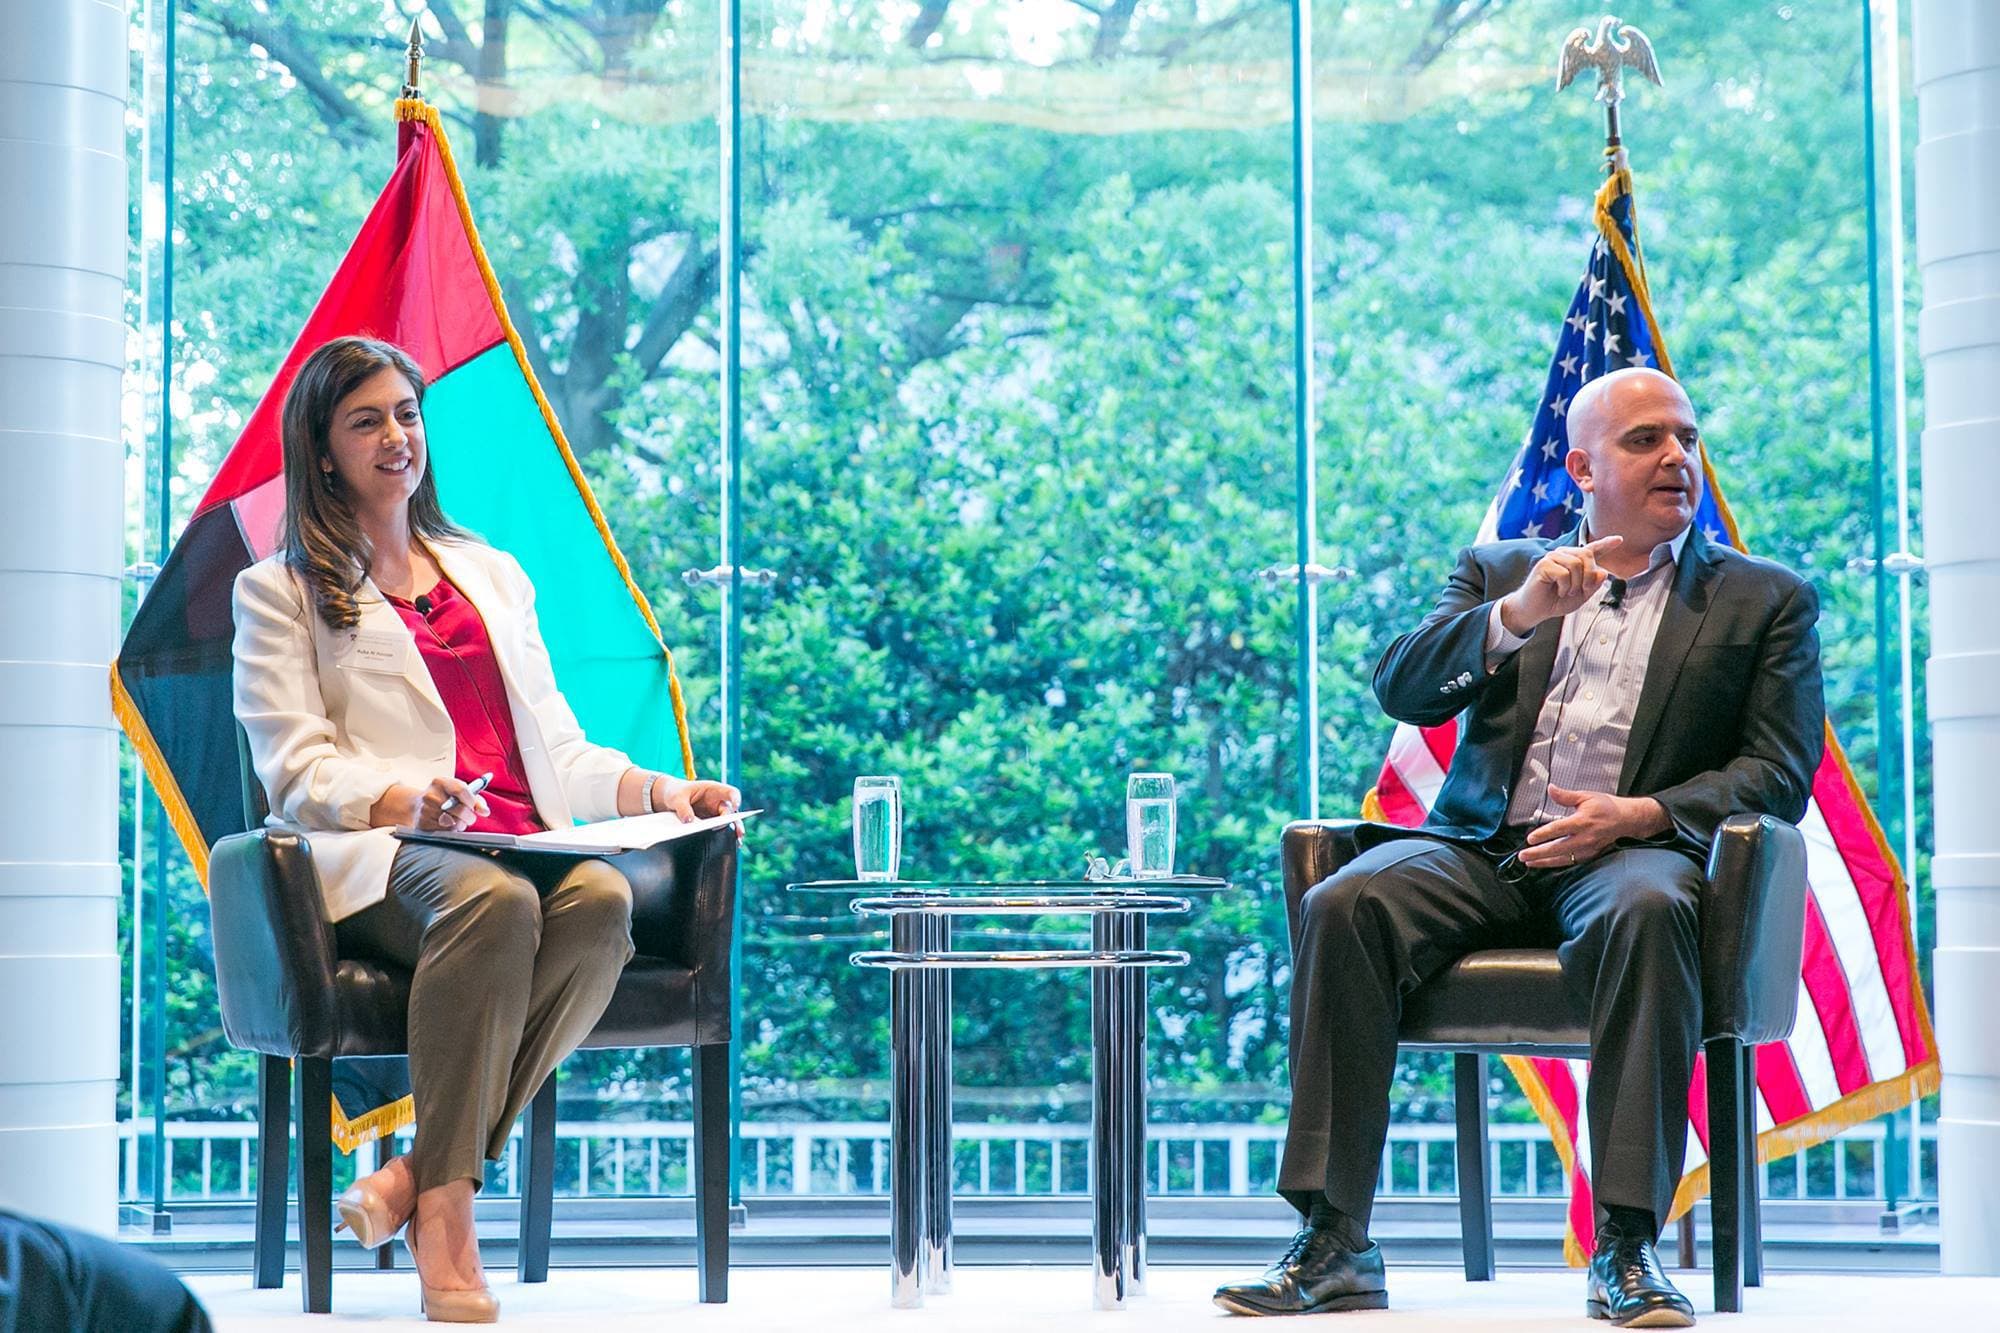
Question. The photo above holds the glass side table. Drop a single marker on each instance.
(920, 961)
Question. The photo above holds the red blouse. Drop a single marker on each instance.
(459, 655)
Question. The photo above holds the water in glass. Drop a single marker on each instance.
(1149, 825)
(878, 828)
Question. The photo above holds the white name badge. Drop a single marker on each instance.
(376, 650)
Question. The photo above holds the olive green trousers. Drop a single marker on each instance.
(512, 962)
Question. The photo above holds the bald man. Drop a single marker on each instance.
(1620, 692)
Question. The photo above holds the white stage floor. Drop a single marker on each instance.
(1050, 1300)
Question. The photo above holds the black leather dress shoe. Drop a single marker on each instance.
(1316, 1275)
(1628, 1287)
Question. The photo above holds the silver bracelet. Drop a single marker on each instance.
(646, 792)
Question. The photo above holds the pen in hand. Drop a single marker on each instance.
(473, 788)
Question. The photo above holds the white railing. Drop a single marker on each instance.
(652, 1157)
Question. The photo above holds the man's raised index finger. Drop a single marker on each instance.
(1605, 543)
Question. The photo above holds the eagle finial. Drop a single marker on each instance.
(1613, 48)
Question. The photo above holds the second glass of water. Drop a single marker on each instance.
(878, 827)
(1149, 824)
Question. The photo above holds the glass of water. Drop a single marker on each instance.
(1149, 824)
(878, 827)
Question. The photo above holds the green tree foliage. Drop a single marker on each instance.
(1018, 408)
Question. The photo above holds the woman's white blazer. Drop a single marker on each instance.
(336, 717)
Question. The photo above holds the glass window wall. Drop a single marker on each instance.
(1012, 466)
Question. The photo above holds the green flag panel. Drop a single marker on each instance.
(483, 424)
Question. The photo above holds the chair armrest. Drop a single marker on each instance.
(1753, 915)
(274, 953)
(1314, 850)
(684, 910)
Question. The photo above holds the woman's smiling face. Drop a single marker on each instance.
(375, 443)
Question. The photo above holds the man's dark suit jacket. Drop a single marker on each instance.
(1731, 719)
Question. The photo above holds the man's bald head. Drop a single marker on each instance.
(1635, 452)
(1603, 405)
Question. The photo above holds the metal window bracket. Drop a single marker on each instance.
(139, 1216)
(710, 578)
(1897, 564)
(1315, 573)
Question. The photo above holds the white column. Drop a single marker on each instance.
(63, 77)
(1957, 68)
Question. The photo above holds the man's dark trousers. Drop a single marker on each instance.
(1626, 929)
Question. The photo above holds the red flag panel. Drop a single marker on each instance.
(413, 248)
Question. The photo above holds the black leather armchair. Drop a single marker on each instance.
(1512, 1002)
(287, 994)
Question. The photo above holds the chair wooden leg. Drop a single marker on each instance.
(538, 1183)
(1475, 1200)
(711, 1170)
(274, 1169)
(1753, 1203)
(1725, 1112)
(315, 1119)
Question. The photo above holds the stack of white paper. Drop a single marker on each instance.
(631, 833)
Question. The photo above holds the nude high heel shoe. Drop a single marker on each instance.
(476, 1306)
(367, 1214)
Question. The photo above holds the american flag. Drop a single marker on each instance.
(1863, 1043)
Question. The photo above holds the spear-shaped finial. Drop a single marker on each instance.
(413, 71)
(1615, 47)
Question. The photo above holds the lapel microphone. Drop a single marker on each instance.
(423, 601)
(1614, 593)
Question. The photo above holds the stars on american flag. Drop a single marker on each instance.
(1604, 329)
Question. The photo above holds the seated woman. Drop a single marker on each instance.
(385, 658)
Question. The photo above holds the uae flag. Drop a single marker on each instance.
(1862, 1044)
(416, 276)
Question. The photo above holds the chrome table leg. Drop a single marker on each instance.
(907, 1085)
(1109, 1103)
(937, 1109)
(1133, 981)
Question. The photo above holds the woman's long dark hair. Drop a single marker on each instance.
(324, 543)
